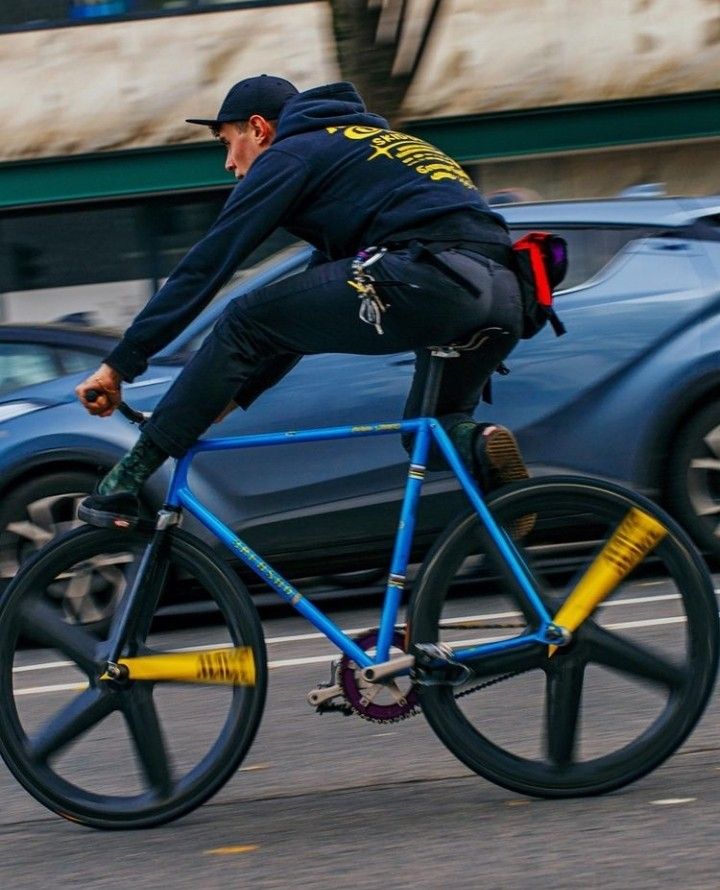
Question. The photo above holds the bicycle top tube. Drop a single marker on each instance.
(289, 437)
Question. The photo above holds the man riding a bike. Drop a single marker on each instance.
(408, 256)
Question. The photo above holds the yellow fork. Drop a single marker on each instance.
(631, 542)
(228, 667)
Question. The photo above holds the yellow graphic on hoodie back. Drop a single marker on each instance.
(409, 150)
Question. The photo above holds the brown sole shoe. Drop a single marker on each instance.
(497, 450)
(502, 455)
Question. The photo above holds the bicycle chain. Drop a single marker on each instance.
(417, 710)
(347, 708)
(492, 682)
(502, 677)
(413, 712)
(472, 689)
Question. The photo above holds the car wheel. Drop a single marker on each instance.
(38, 511)
(694, 478)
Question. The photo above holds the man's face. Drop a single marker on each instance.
(245, 144)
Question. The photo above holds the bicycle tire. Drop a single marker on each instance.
(122, 755)
(611, 706)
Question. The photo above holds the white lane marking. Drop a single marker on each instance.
(43, 666)
(639, 600)
(59, 687)
(297, 638)
(79, 687)
(669, 801)
(490, 616)
(322, 659)
(311, 659)
(622, 625)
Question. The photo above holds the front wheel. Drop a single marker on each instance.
(123, 753)
(605, 709)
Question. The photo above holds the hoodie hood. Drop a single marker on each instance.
(333, 105)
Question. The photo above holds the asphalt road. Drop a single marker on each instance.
(335, 802)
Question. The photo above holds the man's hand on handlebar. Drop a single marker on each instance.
(106, 384)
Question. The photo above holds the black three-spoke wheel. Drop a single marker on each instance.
(614, 703)
(122, 753)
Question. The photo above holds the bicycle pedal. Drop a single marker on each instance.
(435, 666)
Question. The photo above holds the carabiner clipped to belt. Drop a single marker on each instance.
(371, 306)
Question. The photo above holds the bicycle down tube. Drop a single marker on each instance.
(425, 430)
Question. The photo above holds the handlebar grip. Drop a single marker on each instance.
(91, 395)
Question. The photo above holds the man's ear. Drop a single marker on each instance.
(262, 130)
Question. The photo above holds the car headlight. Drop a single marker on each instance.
(16, 409)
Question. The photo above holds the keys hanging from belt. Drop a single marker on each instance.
(371, 306)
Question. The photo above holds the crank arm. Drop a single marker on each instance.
(376, 673)
(323, 694)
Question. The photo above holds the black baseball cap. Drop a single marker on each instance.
(264, 95)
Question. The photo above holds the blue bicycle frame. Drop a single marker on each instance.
(424, 431)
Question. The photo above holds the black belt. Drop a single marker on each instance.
(491, 250)
(498, 253)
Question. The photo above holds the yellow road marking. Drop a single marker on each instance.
(229, 851)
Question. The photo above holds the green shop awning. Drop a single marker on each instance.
(473, 138)
(565, 128)
(112, 175)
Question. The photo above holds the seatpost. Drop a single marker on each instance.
(431, 393)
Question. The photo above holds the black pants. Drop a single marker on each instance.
(262, 335)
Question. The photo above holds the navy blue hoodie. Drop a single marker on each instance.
(335, 176)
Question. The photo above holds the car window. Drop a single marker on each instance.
(25, 364)
(72, 245)
(73, 360)
(590, 248)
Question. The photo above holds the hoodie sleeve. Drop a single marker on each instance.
(255, 208)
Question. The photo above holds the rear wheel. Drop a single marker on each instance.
(122, 754)
(605, 709)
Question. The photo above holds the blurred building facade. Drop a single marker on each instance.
(102, 182)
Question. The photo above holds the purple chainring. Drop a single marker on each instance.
(369, 710)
